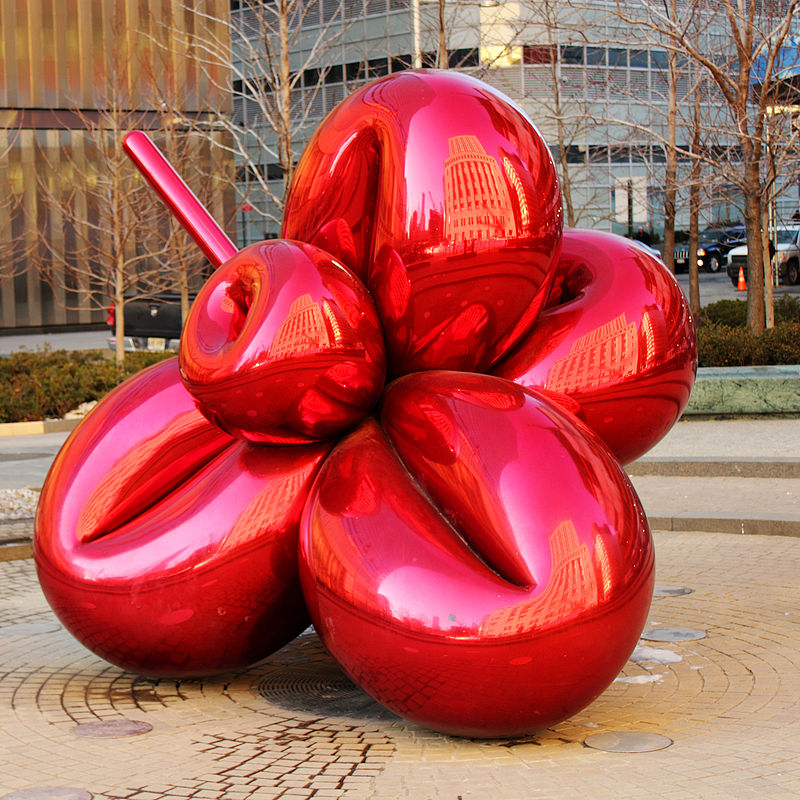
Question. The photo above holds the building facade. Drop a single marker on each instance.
(596, 86)
(74, 75)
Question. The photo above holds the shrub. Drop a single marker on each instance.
(48, 383)
(724, 346)
(787, 308)
(730, 313)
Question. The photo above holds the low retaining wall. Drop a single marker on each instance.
(745, 390)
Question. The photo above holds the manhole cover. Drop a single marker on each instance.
(673, 635)
(48, 793)
(323, 689)
(29, 629)
(112, 728)
(627, 742)
(671, 591)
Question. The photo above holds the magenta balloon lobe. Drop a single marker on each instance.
(617, 339)
(441, 194)
(463, 537)
(283, 345)
(476, 543)
(165, 546)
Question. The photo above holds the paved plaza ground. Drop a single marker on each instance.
(726, 705)
(294, 727)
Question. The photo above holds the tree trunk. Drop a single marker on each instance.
(694, 213)
(694, 209)
(285, 97)
(671, 171)
(755, 257)
(442, 60)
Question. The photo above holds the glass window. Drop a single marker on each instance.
(658, 59)
(538, 54)
(572, 54)
(334, 74)
(638, 59)
(617, 57)
(596, 56)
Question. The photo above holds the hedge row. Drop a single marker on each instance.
(49, 383)
(724, 340)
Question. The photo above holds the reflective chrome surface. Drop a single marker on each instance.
(283, 345)
(442, 196)
(180, 199)
(471, 552)
(476, 560)
(165, 546)
(616, 341)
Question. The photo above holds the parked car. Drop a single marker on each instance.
(713, 247)
(153, 323)
(787, 257)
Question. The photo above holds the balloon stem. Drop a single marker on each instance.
(179, 198)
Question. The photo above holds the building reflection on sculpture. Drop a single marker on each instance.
(576, 585)
(478, 205)
(273, 503)
(609, 353)
(310, 325)
(582, 576)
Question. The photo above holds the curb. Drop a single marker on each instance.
(16, 550)
(38, 427)
(742, 524)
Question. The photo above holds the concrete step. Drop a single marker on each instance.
(721, 503)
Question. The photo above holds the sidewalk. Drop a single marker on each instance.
(730, 475)
(294, 727)
(726, 705)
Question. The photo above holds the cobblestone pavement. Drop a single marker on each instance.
(295, 727)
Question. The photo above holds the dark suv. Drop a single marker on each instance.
(712, 248)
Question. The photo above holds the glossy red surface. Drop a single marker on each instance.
(442, 196)
(476, 560)
(165, 546)
(283, 345)
(179, 198)
(617, 338)
(471, 552)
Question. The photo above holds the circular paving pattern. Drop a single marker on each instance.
(48, 793)
(295, 726)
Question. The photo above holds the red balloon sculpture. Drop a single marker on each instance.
(463, 537)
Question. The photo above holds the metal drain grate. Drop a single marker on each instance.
(321, 689)
(671, 591)
(627, 742)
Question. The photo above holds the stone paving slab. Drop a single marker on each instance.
(294, 727)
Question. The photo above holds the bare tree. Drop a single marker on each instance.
(105, 241)
(283, 80)
(739, 40)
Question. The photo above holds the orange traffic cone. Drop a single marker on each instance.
(741, 286)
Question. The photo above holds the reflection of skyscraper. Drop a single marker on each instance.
(571, 589)
(303, 328)
(476, 196)
(656, 337)
(600, 357)
(519, 189)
